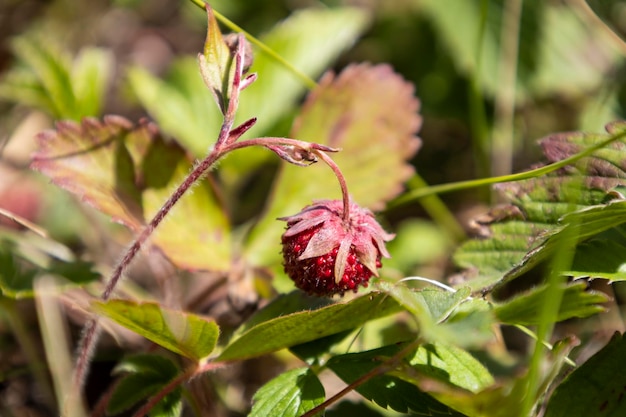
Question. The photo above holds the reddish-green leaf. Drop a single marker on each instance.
(184, 333)
(523, 234)
(128, 172)
(369, 112)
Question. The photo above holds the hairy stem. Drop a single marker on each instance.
(384, 367)
(90, 333)
(342, 183)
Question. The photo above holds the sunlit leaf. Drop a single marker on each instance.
(186, 334)
(290, 394)
(371, 114)
(216, 63)
(303, 326)
(499, 399)
(452, 365)
(128, 172)
(596, 387)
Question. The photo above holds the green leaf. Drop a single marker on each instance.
(447, 317)
(449, 364)
(186, 334)
(146, 376)
(434, 304)
(303, 326)
(371, 114)
(91, 74)
(128, 172)
(216, 63)
(23, 260)
(290, 394)
(576, 302)
(179, 103)
(49, 79)
(498, 400)
(526, 232)
(385, 390)
(596, 387)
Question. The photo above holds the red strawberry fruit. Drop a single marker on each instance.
(326, 254)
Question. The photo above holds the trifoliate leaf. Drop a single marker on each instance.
(386, 390)
(303, 326)
(569, 202)
(371, 114)
(128, 172)
(450, 364)
(596, 387)
(146, 376)
(290, 394)
(186, 334)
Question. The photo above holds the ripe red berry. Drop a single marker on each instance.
(326, 255)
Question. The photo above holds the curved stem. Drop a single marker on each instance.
(419, 193)
(342, 183)
(90, 335)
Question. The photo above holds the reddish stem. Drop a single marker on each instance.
(384, 367)
(342, 183)
(90, 333)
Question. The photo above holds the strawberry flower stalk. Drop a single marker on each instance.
(333, 246)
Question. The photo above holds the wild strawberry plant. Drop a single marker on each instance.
(408, 344)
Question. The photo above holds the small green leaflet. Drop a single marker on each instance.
(187, 334)
(290, 394)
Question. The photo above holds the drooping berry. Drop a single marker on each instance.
(326, 255)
